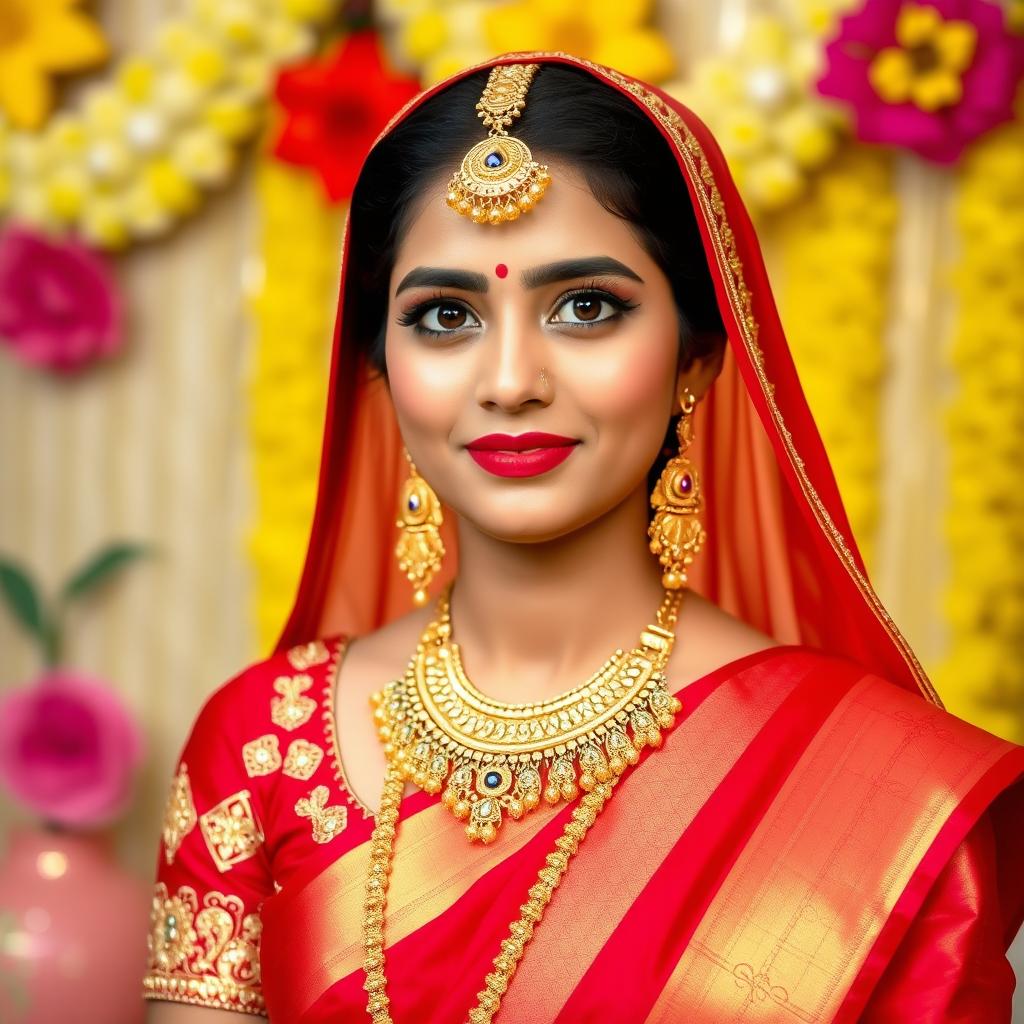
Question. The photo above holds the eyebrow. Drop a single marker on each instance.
(533, 277)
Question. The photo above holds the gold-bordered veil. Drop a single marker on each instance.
(780, 554)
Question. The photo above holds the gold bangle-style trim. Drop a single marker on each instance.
(211, 993)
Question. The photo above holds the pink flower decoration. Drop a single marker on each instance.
(929, 75)
(68, 749)
(59, 306)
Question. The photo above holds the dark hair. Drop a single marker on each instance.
(570, 117)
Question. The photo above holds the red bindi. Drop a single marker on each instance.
(501, 270)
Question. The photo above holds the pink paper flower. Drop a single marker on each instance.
(929, 75)
(59, 306)
(68, 749)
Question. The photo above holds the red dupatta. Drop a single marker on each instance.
(780, 553)
(822, 802)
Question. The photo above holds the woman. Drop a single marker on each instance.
(759, 811)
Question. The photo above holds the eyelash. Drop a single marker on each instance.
(411, 317)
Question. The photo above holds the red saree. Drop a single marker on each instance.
(817, 840)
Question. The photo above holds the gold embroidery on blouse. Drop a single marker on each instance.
(231, 831)
(179, 813)
(307, 655)
(302, 760)
(291, 709)
(205, 955)
(331, 731)
(328, 822)
(262, 756)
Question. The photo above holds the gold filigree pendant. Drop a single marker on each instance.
(498, 179)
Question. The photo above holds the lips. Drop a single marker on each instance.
(520, 442)
(521, 455)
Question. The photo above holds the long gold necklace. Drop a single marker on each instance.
(631, 693)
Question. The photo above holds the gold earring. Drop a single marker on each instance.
(419, 549)
(675, 531)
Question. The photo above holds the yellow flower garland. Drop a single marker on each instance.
(835, 257)
(294, 313)
(436, 39)
(982, 677)
(135, 157)
(757, 98)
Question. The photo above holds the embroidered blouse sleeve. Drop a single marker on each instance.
(213, 873)
(951, 964)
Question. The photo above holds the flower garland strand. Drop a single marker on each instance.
(982, 677)
(436, 40)
(756, 97)
(300, 243)
(135, 158)
(835, 255)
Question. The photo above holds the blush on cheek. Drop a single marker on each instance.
(629, 389)
(426, 393)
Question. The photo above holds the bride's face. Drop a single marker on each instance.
(558, 324)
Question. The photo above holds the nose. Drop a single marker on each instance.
(512, 372)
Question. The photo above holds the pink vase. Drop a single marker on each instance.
(72, 931)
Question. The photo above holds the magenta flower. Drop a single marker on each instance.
(68, 749)
(59, 307)
(929, 75)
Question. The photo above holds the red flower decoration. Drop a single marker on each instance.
(59, 305)
(335, 109)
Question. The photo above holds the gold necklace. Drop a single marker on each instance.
(655, 646)
(441, 732)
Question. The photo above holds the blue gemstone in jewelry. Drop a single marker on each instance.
(494, 160)
(414, 502)
(492, 780)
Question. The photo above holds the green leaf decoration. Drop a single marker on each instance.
(23, 599)
(102, 566)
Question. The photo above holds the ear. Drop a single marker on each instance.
(701, 372)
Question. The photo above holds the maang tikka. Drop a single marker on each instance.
(499, 179)
(419, 549)
(675, 531)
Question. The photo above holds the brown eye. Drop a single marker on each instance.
(451, 317)
(589, 308)
(586, 308)
(440, 318)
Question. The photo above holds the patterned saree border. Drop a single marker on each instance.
(712, 208)
(630, 844)
(789, 931)
(329, 947)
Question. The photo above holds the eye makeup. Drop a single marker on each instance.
(593, 290)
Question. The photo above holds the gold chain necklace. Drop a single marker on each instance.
(649, 657)
(488, 756)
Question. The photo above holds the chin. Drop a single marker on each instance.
(520, 516)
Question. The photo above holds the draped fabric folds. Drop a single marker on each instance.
(817, 840)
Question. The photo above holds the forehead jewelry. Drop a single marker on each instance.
(499, 179)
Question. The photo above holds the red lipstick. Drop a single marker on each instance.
(521, 455)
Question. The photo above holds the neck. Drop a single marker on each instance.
(561, 606)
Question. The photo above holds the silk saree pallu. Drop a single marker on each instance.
(719, 884)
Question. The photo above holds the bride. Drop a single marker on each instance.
(647, 747)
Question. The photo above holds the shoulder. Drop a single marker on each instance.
(267, 704)
(280, 690)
